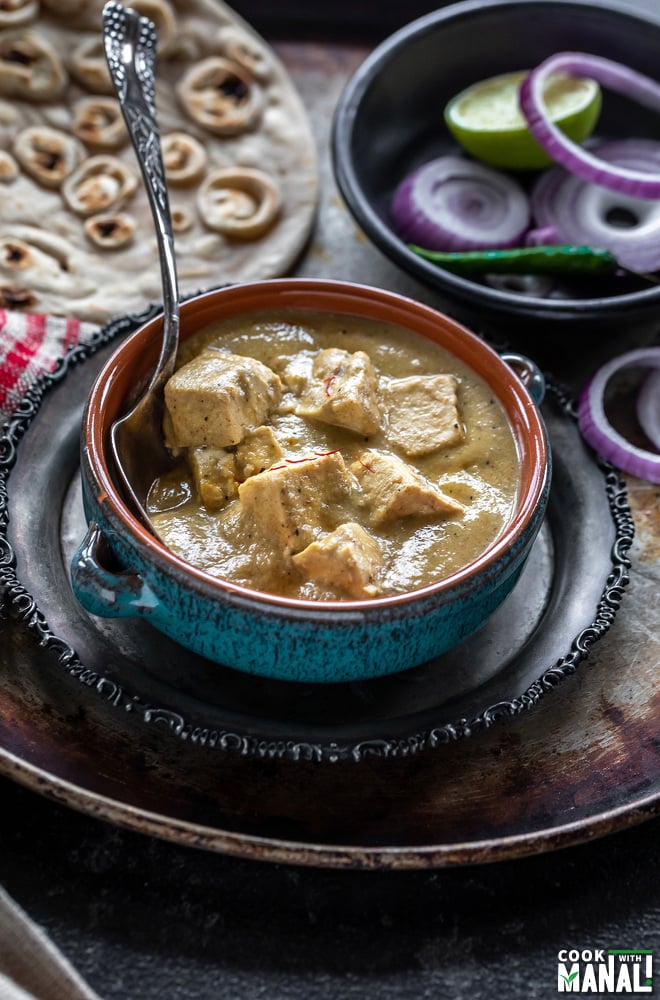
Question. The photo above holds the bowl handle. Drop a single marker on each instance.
(529, 374)
(104, 592)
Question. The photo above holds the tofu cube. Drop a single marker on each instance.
(293, 502)
(392, 489)
(257, 452)
(423, 413)
(216, 398)
(347, 559)
(214, 475)
(343, 391)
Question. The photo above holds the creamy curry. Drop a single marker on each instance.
(329, 457)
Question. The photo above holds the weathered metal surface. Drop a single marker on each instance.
(583, 762)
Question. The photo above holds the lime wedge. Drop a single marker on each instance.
(487, 122)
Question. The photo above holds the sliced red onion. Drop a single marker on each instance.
(569, 209)
(648, 408)
(580, 161)
(596, 428)
(543, 236)
(456, 204)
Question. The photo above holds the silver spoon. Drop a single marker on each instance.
(136, 439)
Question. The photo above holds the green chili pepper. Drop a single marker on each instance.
(524, 260)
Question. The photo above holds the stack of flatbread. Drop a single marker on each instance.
(76, 234)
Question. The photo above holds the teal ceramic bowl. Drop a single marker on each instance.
(120, 569)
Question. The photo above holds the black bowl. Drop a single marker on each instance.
(389, 120)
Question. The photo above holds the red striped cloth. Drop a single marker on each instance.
(30, 345)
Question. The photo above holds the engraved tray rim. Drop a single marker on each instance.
(18, 598)
(278, 849)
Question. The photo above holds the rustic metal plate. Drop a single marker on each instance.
(117, 720)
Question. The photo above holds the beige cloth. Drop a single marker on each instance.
(31, 967)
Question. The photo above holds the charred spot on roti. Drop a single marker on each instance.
(161, 14)
(18, 12)
(100, 183)
(47, 154)
(184, 158)
(30, 67)
(110, 232)
(8, 167)
(17, 297)
(240, 203)
(99, 123)
(182, 218)
(14, 254)
(237, 46)
(89, 67)
(221, 96)
(45, 261)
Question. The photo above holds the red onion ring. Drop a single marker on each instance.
(596, 428)
(648, 408)
(456, 204)
(568, 209)
(578, 160)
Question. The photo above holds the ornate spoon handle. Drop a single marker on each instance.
(136, 439)
(130, 46)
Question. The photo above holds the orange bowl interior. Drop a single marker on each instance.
(134, 360)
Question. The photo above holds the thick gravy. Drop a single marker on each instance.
(328, 457)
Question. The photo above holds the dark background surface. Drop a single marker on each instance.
(144, 919)
(141, 918)
(367, 20)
